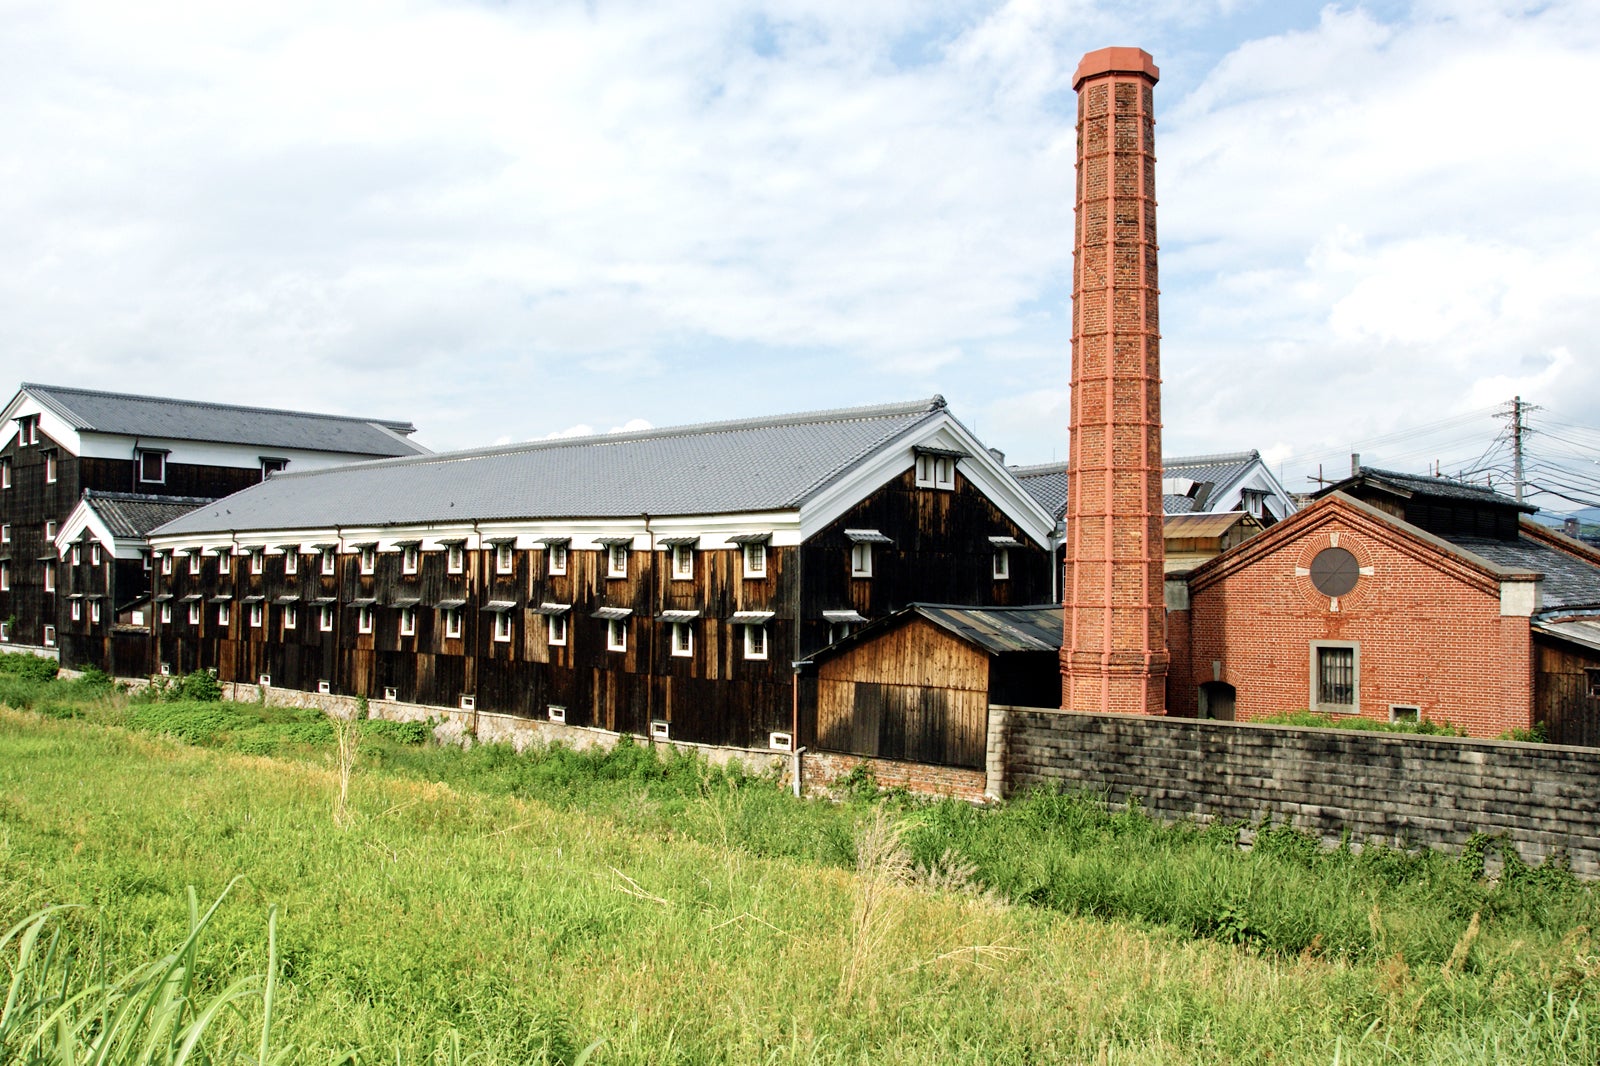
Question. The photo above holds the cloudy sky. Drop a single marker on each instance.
(507, 220)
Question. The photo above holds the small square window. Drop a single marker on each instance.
(50, 528)
(166, 669)
(369, 560)
(861, 559)
(194, 614)
(755, 642)
(557, 713)
(502, 626)
(291, 616)
(755, 559)
(291, 560)
(469, 703)
(780, 741)
(327, 562)
(271, 466)
(391, 693)
(682, 562)
(682, 639)
(325, 620)
(153, 467)
(617, 560)
(364, 620)
(225, 562)
(5, 533)
(504, 559)
(410, 556)
(408, 621)
(1002, 564)
(617, 634)
(258, 614)
(558, 559)
(325, 688)
(49, 636)
(556, 625)
(265, 680)
(659, 730)
(455, 559)
(224, 613)
(1403, 712)
(452, 623)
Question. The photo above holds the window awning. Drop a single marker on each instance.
(452, 542)
(552, 608)
(499, 606)
(226, 549)
(678, 542)
(363, 601)
(613, 541)
(94, 596)
(49, 557)
(251, 549)
(612, 613)
(405, 601)
(288, 549)
(408, 544)
(751, 618)
(867, 536)
(750, 538)
(679, 616)
(254, 598)
(288, 597)
(363, 545)
(498, 541)
(451, 605)
(163, 597)
(193, 597)
(323, 547)
(1005, 542)
(853, 617)
(222, 599)
(323, 601)
(552, 540)
(74, 595)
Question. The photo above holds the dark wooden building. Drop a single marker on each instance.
(60, 443)
(660, 583)
(916, 686)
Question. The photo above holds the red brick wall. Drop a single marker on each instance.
(819, 772)
(1428, 626)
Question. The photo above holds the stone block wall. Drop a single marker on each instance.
(1402, 789)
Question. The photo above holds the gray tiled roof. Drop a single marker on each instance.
(1568, 581)
(1423, 485)
(715, 468)
(161, 417)
(129, 514)
(1047, 482)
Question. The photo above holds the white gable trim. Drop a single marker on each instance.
(84, 517)
(50, 423)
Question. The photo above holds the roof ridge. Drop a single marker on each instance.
(143, 497)
(399, 425)
(1029, 469)
(1215, 457)
(798, 418)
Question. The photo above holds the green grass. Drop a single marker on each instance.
(1318, 720)
(520, 908)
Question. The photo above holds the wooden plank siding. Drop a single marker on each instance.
(1562, 693)
(916, 693)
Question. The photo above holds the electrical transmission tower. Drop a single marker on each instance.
(1516, 411)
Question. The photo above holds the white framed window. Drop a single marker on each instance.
(755, 559)
(5, 472)
(94, 611)
(49, 577)
(194, 563)
(1335, 676)
(617, 634)
(1002, 564)
(5, 632)
(153, 467)
(327, 562)
(224, 613)
(5, 533)
(391, 693)
(291, 560)
(77, 610)
(369, 559)
(258, 615)
(410, 556)
(291, 616)
(50, 528)
(557, 713)
(28, 430)
(861, 559)
(77, 554)
(364, 619)
(755, 642)
(166, 564)
(682, 639)
(502, 626)
(557, 554)
(265, 680)
(256, 563)
(52, 468)
(194, 614)
(682, 562)
(452, 623)
(225, 562)
(144, 561)
(325, 688)
(325, 619)
(49, 636)
(469, 703)
(504, 559)
(617, 560)
(166, 613)
(659, 729)
(94, 555)
(166, 669)
(455, 560)
(408, 621)
(556, 630)
(936, 471)
(5, 575)
(780, 741)
(270, 466)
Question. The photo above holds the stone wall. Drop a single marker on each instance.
(1402, 789)
(821, 769)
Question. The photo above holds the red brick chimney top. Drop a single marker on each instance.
(1115, 61)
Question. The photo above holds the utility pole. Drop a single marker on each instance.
(1519, 431)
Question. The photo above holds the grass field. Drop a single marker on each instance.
(481, 906)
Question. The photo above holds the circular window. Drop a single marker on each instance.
(1334, 571)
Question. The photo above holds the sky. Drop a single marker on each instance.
(504, 221)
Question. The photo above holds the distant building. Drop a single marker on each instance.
(61, 442)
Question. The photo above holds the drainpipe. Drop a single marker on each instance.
(650, 631)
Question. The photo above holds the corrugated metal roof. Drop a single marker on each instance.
(717, 468)
(1201, 525)
(999, 630)
(1581, 631)
(128, 514)
(164, 417)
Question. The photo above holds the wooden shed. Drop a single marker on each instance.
(917, 685)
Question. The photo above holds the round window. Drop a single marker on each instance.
(1334, 571)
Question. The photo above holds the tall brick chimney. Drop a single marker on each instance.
(1114, 655)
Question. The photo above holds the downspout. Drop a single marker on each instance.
(475, 602)
(650, 631)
